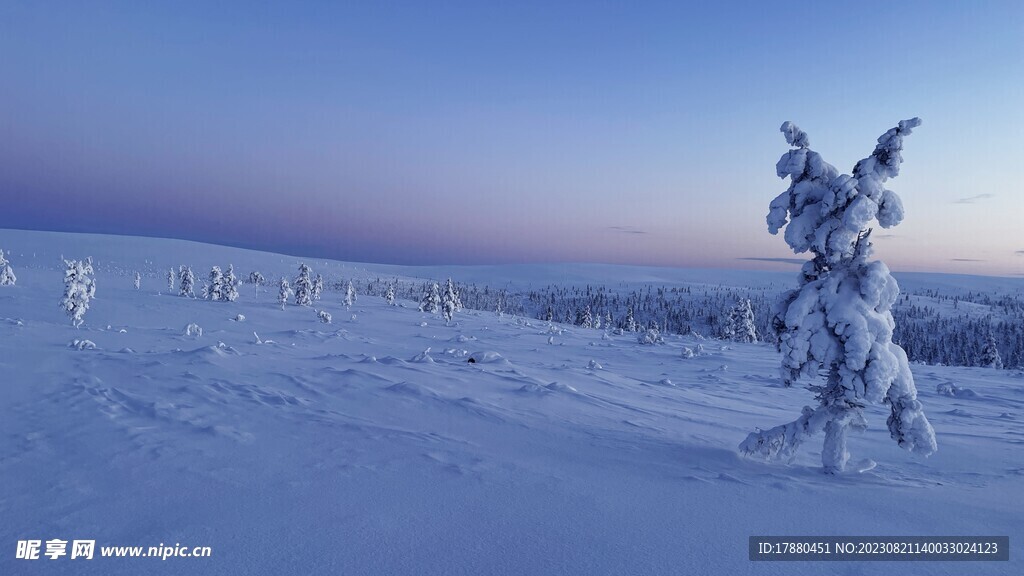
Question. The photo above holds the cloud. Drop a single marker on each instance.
(973, 199)
(797, 261)
(965, 260)
(628, 230)
(1019, 252)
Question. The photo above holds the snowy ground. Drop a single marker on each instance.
(342, 449)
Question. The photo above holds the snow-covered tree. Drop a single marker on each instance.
(431, 301)
(350, 295)
(304, 286)
(449, 301)
(318, 286)
(629, 325)
(137, 280)
(79, 289)
(257, 280)
(584, 318)
(7, 277)
(389, 294)
(229, 291)
(990, 353)
(839, 319)
(214, 288)
(324, 316)
(284, 293)
(170, 280)
(186, 281)
(740, 326)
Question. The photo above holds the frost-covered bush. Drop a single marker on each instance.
(740, 326)
(324, 316)
(193, 329)
(7, 277)
(839, 319)
(650, 336)
(79, 289)
(82, 344)
(304, 286)
(257, 280)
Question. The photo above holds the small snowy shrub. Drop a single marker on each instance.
(839, 318)
(82, 344)
(79, 289)
(650, 336)
(239, 318)
(257, 280)
(193, 329)
(324, 316)
(137, 281)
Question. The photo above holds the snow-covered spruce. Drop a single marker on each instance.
(318, 287)
(431, 301)
(7, 277)
(229, 289)
(170, 281)
(350, 295)
(214, 288)
(284, 292)
(304, 286)
(79, 289)
(839, 319)
(137, 280)
(990, 357)
(186, 282)
(741, 326)
(389, 294)
(449, 301)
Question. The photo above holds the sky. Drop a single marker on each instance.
(485, 132)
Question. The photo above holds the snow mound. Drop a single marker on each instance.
(422, 357)
(82, 344)
(487, 358)
(954, 391)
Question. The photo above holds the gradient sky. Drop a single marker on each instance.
(484, 132)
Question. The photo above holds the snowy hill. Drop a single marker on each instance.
(372, 445)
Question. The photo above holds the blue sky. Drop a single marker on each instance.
(478, 132)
